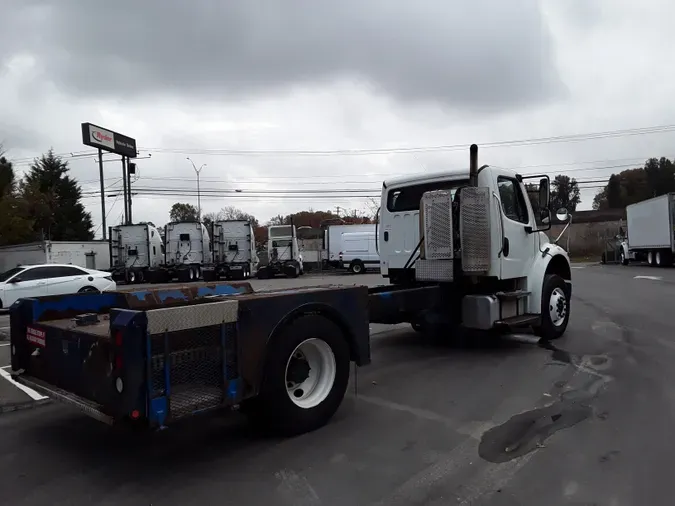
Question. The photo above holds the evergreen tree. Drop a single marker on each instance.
(53, 199)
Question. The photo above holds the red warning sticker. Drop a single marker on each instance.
(35, 336)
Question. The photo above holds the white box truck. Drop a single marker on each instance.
(351, 247)
(87, 254)
(651, 231)
(283, 253)
(188, 251)
(234, 254)
(136, 253)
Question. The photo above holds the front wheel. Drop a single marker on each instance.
(622, 257)
(88, 289)
(555, 308)
(305, 378)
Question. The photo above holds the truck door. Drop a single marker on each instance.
(517, 248)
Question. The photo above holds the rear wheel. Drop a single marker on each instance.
(555, 308)
(305, 377)
(356, 267)
(131, 277)
(650, 258)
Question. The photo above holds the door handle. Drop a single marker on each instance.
(386, 236)
(505, 247)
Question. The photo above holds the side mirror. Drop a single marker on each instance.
(562, 214)
(15, 280)
(544, 193)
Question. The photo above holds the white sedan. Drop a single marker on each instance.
(51, 279)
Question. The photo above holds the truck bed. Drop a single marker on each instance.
(173, 352)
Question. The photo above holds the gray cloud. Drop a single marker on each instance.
(485, 54)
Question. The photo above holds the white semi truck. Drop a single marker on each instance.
(284, 256)
(479, 261)
(651, 232)
(465, 248)
(234, 253)
(188, 251)
(136, 253)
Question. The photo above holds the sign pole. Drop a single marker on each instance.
(129, 164)
(100, 172)
(124, 182)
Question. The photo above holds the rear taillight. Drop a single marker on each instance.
(109, 278)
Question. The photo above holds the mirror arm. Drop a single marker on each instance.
(569, 222)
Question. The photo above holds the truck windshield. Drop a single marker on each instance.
(8, 274)
(283, 231)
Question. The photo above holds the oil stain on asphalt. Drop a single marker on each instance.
(528, 431)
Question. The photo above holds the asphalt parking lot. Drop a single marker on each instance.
(498, 422)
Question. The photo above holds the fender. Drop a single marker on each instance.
(554, 261)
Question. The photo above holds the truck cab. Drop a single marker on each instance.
(487, 243)
(283, 253)
(188, 250)
(136, 252)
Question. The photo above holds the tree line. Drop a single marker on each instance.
(182, 211)
(655, 178)
(43, 204)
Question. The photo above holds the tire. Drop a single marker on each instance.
(356, 267)
(650, 259)
(262, 273)
(88, 289)
(278, 407)
(622, 258)
(191, 274)
(663, 259)
(554, 293)
(131, 277)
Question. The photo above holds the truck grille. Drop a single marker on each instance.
(195, 373)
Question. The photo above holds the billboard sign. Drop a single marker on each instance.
(97, 137)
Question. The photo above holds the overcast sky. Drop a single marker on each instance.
(203, 77)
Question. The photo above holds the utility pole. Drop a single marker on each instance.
(125, 191)
(199, 199)
(131, 169)
(100, 173)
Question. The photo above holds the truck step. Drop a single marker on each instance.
(514, 295)
(522, 320)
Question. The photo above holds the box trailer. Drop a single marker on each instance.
(651, 231)
(87, 254)
(351, 247)
(136, 252)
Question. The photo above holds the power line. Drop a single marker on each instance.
(447, 147)
(393, 150)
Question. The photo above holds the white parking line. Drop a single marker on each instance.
(4, 344)
(653, 278)
(28, 391)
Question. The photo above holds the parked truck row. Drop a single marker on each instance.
(463, 249)
(189, 252)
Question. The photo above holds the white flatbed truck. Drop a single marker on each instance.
(151, 357)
